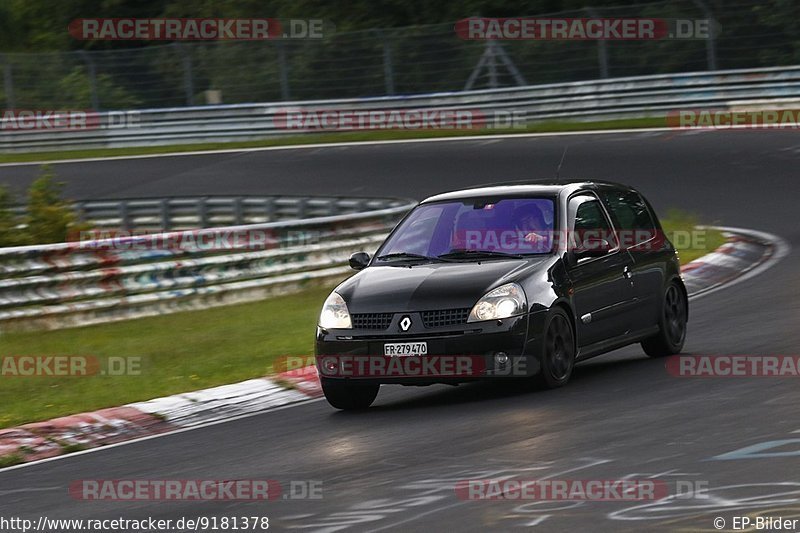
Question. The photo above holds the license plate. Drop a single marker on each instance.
(405, 348)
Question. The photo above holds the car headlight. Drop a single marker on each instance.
(504, 301)
(334, 313)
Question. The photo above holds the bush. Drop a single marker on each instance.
(9, 234)
(48, 217)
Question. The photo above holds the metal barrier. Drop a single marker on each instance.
(80, 283)
(192, 212)
(633, 97)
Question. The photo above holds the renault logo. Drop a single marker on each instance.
(405, 323)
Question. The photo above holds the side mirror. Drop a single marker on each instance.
(359, 260)
(592, 247)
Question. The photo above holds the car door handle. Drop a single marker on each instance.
(627, 273)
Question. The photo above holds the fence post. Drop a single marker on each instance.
(284, 70)
(269, 208)
(302, 206)
(602, 49)
(711, 43)
(501, 54)
(388, 69)
(163, 214)
(8, 82)
(92, 79)
(202, 212)
(491, 63)
(237, 210)
(188, 78)
(493, 52)
(124, 216)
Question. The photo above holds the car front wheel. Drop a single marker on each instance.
(348, 396)
(672, 325)
(558, 350)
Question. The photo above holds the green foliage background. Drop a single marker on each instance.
(49, 70)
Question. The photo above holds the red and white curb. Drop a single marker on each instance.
(745, 254)
(41, 440)
(208, 405)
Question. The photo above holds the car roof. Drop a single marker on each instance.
(551, 187)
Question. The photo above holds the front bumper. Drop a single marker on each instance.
(461, 353)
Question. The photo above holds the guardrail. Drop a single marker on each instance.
(632, 97)
(80, 283)
(191, 212)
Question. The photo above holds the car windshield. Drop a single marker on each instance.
(474, 229)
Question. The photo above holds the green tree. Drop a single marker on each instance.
(9, 233)
(76, 92)
(49, 217)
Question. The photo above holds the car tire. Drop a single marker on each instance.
(671, 326)
(558, 350)
(348, 396)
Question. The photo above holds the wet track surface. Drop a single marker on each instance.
(623, 415)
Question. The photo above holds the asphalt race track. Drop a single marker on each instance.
(622, 416)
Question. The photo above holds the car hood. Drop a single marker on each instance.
(381, 289)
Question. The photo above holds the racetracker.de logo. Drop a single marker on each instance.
(175, 489)
(733, 366)
(48, 119)
(195, 489)
(69, 366)
(372, 366)
(196, 29)
(189, 240)
(379, 119)
(723, 119)
(581, 29)
(602, 490)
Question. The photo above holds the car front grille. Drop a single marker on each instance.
(372, 320)
(445, 317)
(430, 319)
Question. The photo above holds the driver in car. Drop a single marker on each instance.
(530, 225)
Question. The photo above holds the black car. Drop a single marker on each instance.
(506, 280)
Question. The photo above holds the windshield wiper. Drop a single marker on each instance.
(481, 254)
(407, 255)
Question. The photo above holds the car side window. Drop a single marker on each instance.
(631, 215)
(589, 221)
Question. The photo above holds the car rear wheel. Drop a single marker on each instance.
(672, 325)
(558, 351)
(348, 396)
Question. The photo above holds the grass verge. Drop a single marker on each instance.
(190, 350)
(179, 352)
(315, 138)
(691, 242)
